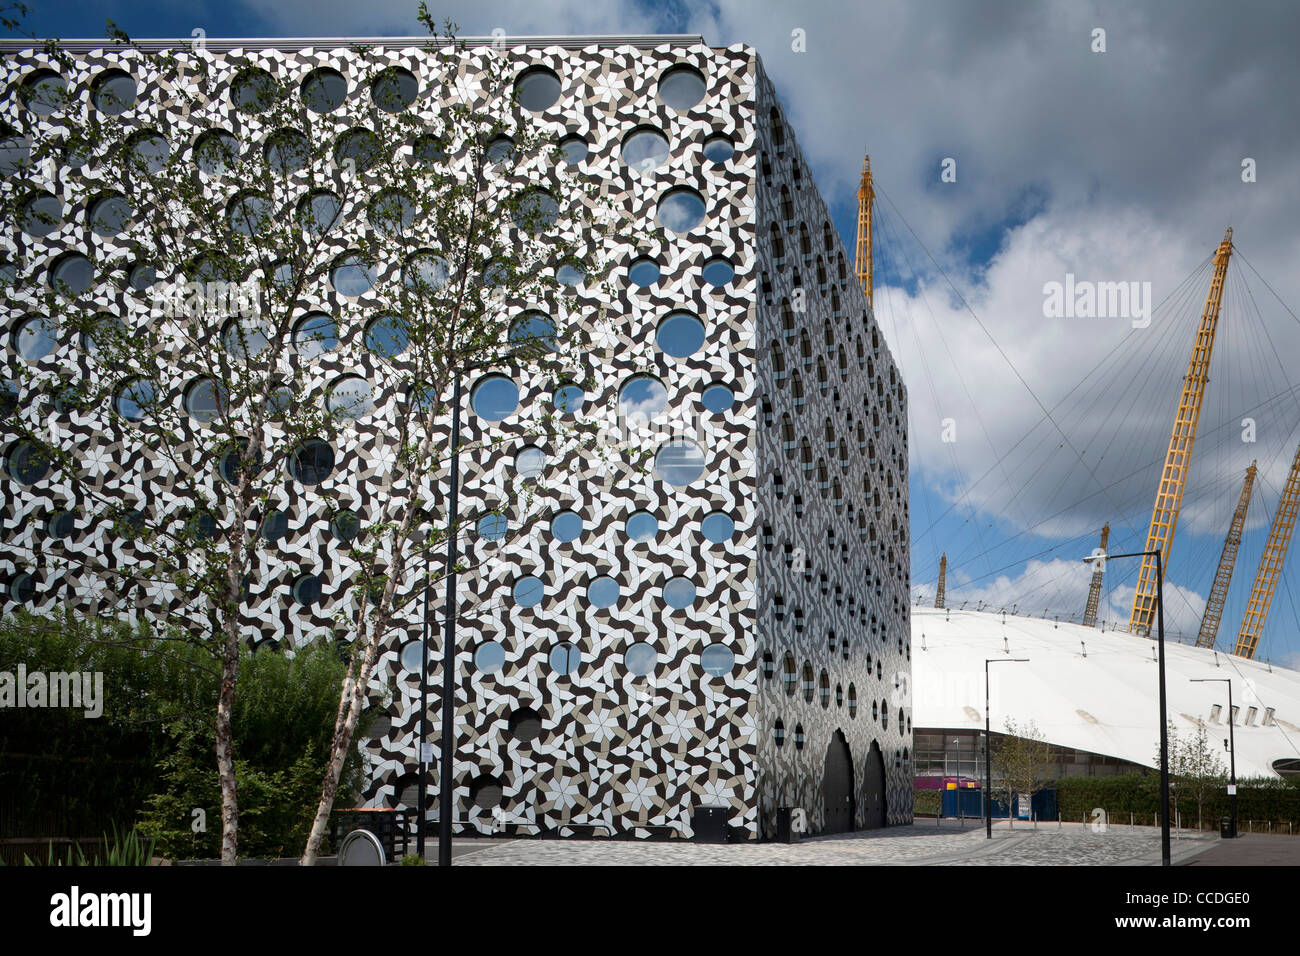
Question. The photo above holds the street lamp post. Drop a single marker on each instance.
(1232, 746)
(988, 749)
(1164, 721)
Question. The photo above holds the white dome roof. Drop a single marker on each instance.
(1106, 702)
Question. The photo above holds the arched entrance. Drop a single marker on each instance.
(837, 786)
(874, 790)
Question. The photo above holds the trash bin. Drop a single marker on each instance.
(709, 825)
(1227, 828)
(785, 831)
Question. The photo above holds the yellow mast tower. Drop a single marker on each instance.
(1270, 565)
(1169, 497)
(943, 574)
(1094, 589)
(1219, 592)
(866, 199)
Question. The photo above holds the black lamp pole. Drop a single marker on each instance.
(421, 762)
(1232, 745)
(1164, 720)
(445, 809)
(988, 746)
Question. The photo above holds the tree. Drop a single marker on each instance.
(1021, 762)
(252, 276)
(1195, 768)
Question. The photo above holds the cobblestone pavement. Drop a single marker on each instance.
(1072, 844)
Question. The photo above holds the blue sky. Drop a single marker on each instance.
(1122, 164)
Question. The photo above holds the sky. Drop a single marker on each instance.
(1072, 156)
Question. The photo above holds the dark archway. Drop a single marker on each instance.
(874, 790)
(837, 786)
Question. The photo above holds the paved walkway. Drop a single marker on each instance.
(1251, 849)
(1071, 844)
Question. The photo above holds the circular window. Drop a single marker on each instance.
(640, 659)
(574, 150)
(345, 525)
(718, 272)
(315, 334)
(681, 210)
(681, 87)
(245, 339)
(287, 151)
(717, 660)
(494, 398)
(778, 732)
(44, 92)
(230, 464)
(359, 148)
(319, 212)
(412, 656)
(253, 91)
(718, 149)
(853, 701)
(249, 214)
(324, 90)
(839, 695)
(142, 277)
(679, 462)
(717, 527)
(351, 397)
(641, 398)
(201, 526)
(216, 152)
(149, 151)
(22, 589)
(824, 690)
(501, 149)
(311, 462)
(203, 401)
(61, 525)
(525, 724)
(8, 397)
(717, 399)
(679, 593)
(564, 658)
(528, 591)
(566, 526)
(15, 152)
(113, 92)
(37, 338)
(569, 399)
(643, 272)
(529, 463)
(72, 275)
(307, 590)
(789, 675)
(275, 525)
(680, 334)
(425, 273)
(387, 336)
(392, 212)
(40, 215)
(394, 89)
(645, 149)
(571, 274)
(537, 210)
(489, 657)
(27, 463)
(135, 398)
(537, 89)
(769, 665)
(533, 331)
(641, 526)
(109, 215)
(798, 737)
(428, 151)
(492, 527)
(352, 276)
(486, 793)
(602, 591)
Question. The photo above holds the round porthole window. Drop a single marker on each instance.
(640, 659)
(680, 210)
(679, 462)
(489, 657)
(494, 398)
(602, 591)
(679, 593)
(528, 591)
(717, 660)
(681, 87)
(680, 334)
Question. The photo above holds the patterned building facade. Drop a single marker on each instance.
(728, 627)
